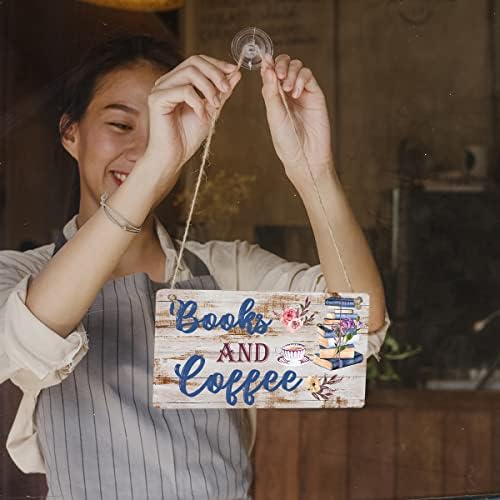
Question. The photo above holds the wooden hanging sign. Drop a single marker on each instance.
(234, 349)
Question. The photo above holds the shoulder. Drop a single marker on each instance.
(237, 249)
(238, 265)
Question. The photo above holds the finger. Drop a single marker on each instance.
(311, 84)
(282, 62)
(212, 72)
(224, 66)
(275, 109)
(162, 78)
(293, 70)
(269, 80)
(193, 76)
(166, 100)
(267, 62)
(303, 79)
(214, 69)
(233, 81)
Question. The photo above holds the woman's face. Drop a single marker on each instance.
(113, 133)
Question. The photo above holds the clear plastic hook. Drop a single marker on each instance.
(251, 45)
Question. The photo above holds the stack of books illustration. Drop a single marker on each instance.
(335, 335)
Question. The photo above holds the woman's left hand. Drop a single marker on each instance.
(307, 106)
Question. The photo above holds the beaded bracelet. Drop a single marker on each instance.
(117, 218)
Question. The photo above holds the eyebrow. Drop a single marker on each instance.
(122, 107)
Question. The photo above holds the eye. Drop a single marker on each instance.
(120, 126)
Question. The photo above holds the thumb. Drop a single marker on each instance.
(275, 109)
(269, 79)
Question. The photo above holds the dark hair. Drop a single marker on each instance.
(113, 54)
(81, 82)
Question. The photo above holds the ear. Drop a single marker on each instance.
(69, 136)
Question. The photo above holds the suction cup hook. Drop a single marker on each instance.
(251, 45)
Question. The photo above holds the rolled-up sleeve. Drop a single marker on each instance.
(31, 354)
(31, 345)
(376, 338)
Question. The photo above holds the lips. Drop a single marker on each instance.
(119, 176)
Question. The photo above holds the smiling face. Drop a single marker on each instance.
(113, 133)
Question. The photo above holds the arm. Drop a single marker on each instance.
(356, 256)
(239, 265)
(178, 122)
(303, 145)
(64, 290)
(25, 342)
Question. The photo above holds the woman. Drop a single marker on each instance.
(131, 120)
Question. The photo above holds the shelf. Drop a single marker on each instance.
(455, 186)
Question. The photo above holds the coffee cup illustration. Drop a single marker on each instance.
(292, 352)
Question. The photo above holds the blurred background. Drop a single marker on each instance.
(412, 88)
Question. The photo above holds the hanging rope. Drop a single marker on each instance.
(206, 150)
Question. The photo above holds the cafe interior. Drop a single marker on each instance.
(412, 90)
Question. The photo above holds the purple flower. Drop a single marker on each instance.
(347, 325)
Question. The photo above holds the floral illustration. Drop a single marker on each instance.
(295, 318)
(288, 315)
(321, 388)
(295, 324)
(345, 332)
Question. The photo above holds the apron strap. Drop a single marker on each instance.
(193, 262)
(59, 242)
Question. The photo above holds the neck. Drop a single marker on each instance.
(144, 254)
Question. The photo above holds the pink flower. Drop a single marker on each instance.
(288, 315)
(295, 324)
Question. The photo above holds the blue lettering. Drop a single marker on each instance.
(191, 368)
(246, 315)
(215, 382)
(227, 322)
(209, 321)
(185, 321)
(248, 320)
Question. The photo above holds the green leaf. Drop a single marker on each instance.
(403, 355)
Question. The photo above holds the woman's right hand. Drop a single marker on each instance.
(179, 118)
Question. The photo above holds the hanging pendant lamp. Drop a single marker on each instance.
(139, 5)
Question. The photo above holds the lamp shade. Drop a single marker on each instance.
(139, 5)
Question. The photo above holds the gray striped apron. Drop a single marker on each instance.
(100, 436)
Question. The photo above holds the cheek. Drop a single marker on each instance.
(99, 147)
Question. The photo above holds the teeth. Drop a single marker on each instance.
(120, 177)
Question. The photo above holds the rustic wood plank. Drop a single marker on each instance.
(277, 455)
(468, 452)
(495, 456)
(372, 451)
(323, 454)
(445, 400)
(419, 453)
(13, 482)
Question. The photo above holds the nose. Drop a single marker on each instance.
(136, 146)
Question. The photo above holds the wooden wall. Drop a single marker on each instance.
(404, 444)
